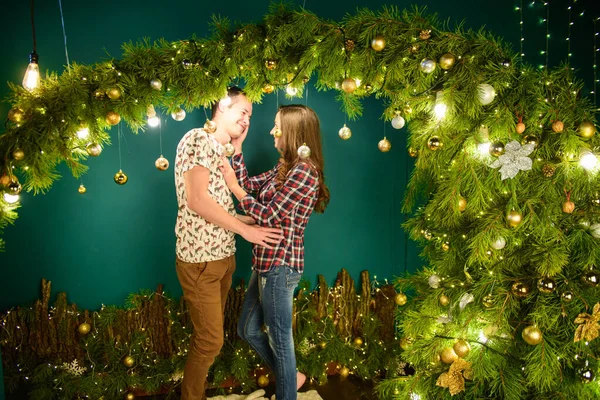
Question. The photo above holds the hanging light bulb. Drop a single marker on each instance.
(291, 91)
(11, 198)
(588, 160)
(32, 74)
(440, 107)
(83, 132)
(484, 149)
(153, 120)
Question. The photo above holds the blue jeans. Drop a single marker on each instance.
(269, 302)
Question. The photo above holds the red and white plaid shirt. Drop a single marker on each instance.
(288, 208)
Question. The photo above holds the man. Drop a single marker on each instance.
(205, 230)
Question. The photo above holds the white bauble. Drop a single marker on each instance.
(499, 243)
(486, 93)
(595, 230)
(398, 122)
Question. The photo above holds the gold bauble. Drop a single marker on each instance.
(546, 284)
(520, 289)
(586, 129)
(129, 396)
(434, 143)
(14, 187)
(447, 61)
(81, 189)
(268, 88)
(568, 207)
(413, 152)
(322, 345)
(444, 300)
(567, 296)
(384, 145)
(345, 133)
(400, 299)
(270, 64)
(178, 114)
(520, 128)
(514, 218)
(210, 126)
(156, 84)
(488, 301)
(113, 118)
(161, 163)
(228, 150)
(531, 139)
(558, 126)
(348, 85)
(344, 372)
(93, 149)
(462, 204)
(129, 361)
(595, 200)
(445, 246)
(406, 343)
(497, 149)
(4, 180)
(114, 93)
(462, 348)
(15, 115)
(591, 278)
(18, 154)
(121, 178)
(263, 381)
(427, 234)
(532, 335)
(448, 355)
(84, 328)
(378, 43)
(358, 341)
(99, 94)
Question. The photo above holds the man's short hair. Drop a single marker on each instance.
(232, 92)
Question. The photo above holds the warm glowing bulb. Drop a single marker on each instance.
(440, 108)
(32, 75)
(414, 396)
(588, 161)
(11, 198)
(292, 91)
(83, 132)
(484, 148)
(153, 121)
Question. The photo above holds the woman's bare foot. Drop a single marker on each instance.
(300, 379)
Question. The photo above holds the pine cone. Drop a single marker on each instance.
(548, 170)
(425, 34)
(349, 43)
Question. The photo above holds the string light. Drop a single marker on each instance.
(594, 67)
(520, 9)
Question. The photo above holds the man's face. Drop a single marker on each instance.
(235, 117)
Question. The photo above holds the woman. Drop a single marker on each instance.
(286, 197)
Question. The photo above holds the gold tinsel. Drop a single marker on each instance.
(589, 329)
(454, 379)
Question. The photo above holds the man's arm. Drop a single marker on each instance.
(199, 201)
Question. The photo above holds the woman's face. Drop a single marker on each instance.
(276, 132)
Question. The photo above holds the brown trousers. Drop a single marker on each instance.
(205, 288)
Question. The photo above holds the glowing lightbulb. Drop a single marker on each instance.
(588, 161)
(83, 132)
(292, 91)
(484, 148)
(440, 108)
(32, 74)
(11, 198)
(153, 121)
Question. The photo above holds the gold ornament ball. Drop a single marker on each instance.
(595, 201)
(129, 361)
(121, 178)
(406, 343)
(345, 133)
(558, 126)
(4, 180)
(344, 372)
(270, 64)
(113, 118)
(488, 301)
(358, 341)
(514, 218)
(444, 300)
(14, 188)
(586, 375)
(448, 355)
(15, 115)
(304, 152)
(268, 88)
(586, 129)
(348, 85)
(520, 289)
(591, 278)
(378, 43)
(447, 61)
(445, 246)
(156, 84)
(520, 128)
(546, 284)
(462, 204)
(427, 235)
(384, 145)
(81, 189)
(161, 163)
(84, 328)
(93, 149)
(263, 381)
(400, 299)
(462, 348)
(99, 94)
(178, 115)
(434, 143)
(322, 345)
(228, 150)
(531, 139)
(129, 396)
(568, 207)
(567, 296)
(114, 93)
(210, 126)
(497, 149)
(532, 335)
(413, 152)
(18, 154)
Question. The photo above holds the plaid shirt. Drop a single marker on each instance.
(287, 208)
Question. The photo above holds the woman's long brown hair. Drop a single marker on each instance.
(300, 125)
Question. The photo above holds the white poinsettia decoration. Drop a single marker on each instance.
(514, 159)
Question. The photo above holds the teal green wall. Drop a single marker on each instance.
(112, 241)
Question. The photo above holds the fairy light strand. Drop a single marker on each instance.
(569, 10)
(547, 21)
(62, 20)
(594, 85)
(521, 25)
